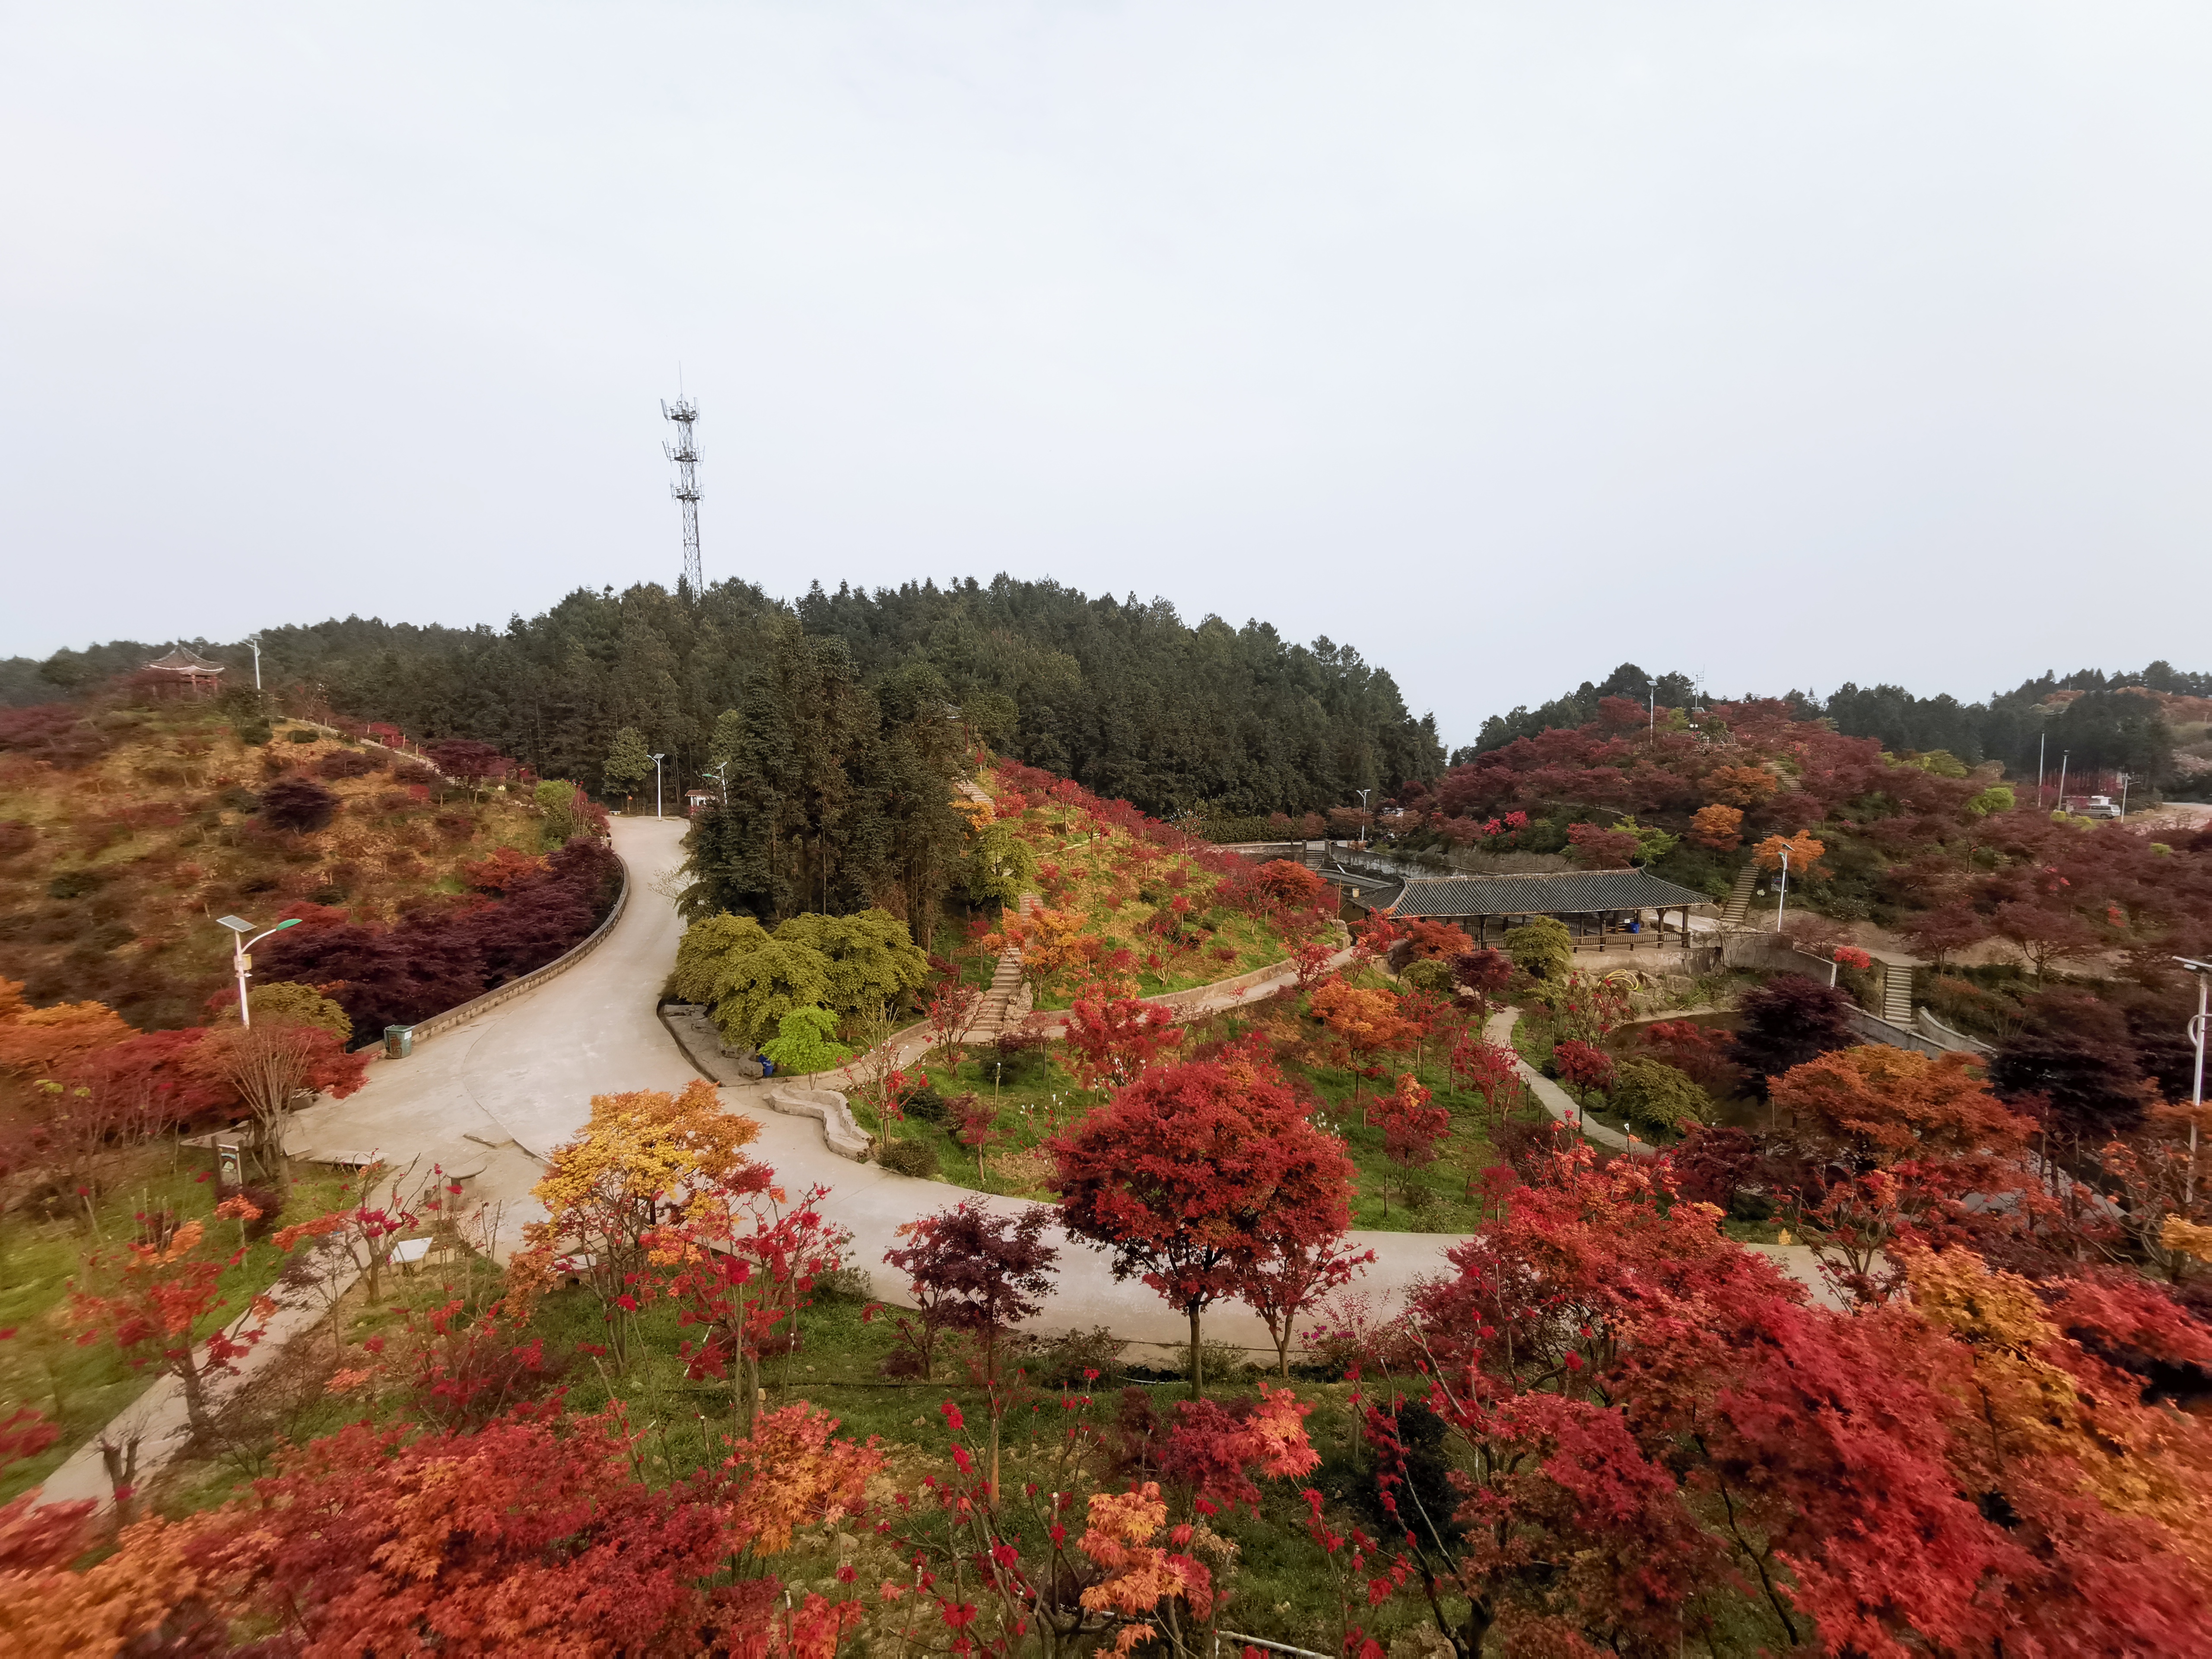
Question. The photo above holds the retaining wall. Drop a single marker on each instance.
(466, 1012)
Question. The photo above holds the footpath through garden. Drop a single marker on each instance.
(496, 1096)
(488, 1102)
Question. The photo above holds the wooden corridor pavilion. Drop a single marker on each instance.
(1574, 897)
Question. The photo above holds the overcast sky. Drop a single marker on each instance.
(1780, 344)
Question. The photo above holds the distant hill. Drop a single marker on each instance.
(1120, 695)
(2151, 723)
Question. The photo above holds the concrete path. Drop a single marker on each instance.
(156, 1418)
(498, 1095)
(1557, 1101)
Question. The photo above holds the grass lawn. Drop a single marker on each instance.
(1278, 1583)
(1039, 1098)
(80, 1389)
(1120, 884)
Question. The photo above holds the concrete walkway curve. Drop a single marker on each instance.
(496, 1096)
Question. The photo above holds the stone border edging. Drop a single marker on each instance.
(1191, 998)
(462, 1013)
(840, 1133)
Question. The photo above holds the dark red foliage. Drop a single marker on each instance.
(1700, 1053)
(971, 1271)
(437, 958)
(466, 759)
(1487, 973)
(2077, 1053)
(56, 732)
(349, 763)
(1597, 848)
(1786, 1021)
(299, 805)
(1713, 1162)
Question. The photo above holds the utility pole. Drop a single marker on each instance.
(2041, 743)
(2065, 755)
(685, 489)
(241, 962)
(254, 639)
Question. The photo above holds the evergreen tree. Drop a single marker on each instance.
(629, 762)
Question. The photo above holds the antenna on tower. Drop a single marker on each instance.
(685, 454)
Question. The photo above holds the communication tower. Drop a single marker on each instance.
(685, 454)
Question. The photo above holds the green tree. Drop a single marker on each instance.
(1001, 865)
(804, 1043)
(556, 799)
(707, 945)
(629, 762)
(1654, 1096)
(754, 989)
(872, 961)
(1652, 844)
(1542, 946)
(862, 965)
(1997, 798)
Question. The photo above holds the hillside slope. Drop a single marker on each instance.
(125, 833)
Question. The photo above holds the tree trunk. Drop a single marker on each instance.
(1197, 1357)
(196, 1411)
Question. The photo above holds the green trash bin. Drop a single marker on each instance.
(398, 1041)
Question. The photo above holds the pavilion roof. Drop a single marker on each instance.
(180, 660)
(1573, 892)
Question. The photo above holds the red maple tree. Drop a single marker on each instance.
(1193, 1177)
(1112, 1035)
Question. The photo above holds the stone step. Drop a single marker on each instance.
(1738, 899)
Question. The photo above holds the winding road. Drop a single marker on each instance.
(487, 1101)
(490, 1100)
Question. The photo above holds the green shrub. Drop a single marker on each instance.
(254, 735)
(1064, 1361)
(302, 1004)
(847, 1283)
(804, 1043)
(1655, 1097)
(1542, 947)
(926, 1106)
(917, 1158)
(1430, 976)
(859, 964)
(302, 735)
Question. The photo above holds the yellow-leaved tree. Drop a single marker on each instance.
(640, 1159)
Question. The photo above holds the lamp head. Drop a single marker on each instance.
(2194, 966)
(236, 924)
(289, 921)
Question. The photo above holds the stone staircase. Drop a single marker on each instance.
(1897, 994)
(1006, 1002)
(1739, 898)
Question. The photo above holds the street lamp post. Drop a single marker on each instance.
(2204, 972)
(254, 639)
(241, 965)
(2064, 756)
(1782, 897)
(1364, 825)
(656, 785)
